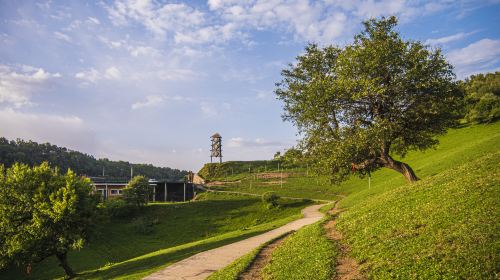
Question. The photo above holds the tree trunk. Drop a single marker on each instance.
(400, 167)
(63, 262)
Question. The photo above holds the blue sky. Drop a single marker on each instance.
(151, 81)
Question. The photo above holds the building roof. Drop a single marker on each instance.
(216, 135)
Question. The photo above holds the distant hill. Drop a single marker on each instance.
(33, 153)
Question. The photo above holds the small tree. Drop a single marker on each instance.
(270, 199)
(138, 191)
(43, 213)
(358, 106)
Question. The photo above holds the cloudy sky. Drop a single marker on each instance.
(151, 81)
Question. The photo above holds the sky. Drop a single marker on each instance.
(150, 81)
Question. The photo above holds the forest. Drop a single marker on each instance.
(33, 153)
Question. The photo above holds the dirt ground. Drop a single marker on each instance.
(254, 271)
(347, 268)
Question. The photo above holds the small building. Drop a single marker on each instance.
(163, 190)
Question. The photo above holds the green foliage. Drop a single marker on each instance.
(270, 199)
(482, 98)
(33, 153)
(358, 106)
(292, 157)
(445, 226)
(183, 229)
(138, 191)
(119, 208)
(43, 213)
(306, 254)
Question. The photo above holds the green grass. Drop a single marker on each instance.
(446, 226)
(297, 184)
(236, 170)
(306, 254)
(457, 146)
(183, 229)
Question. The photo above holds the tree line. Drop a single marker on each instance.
(33, 153)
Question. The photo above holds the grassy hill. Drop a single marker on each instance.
(445, 226)
(456, 147)
(129, 248)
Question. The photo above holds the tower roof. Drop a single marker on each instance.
(216, 135)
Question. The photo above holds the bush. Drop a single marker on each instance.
(138, 191)
(270, 199)
(119, 208)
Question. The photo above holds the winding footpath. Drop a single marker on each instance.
(201, 265)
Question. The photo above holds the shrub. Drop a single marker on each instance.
(138, 191)
(270, 199)
(119, 208)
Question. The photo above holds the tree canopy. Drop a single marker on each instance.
(138, 191)
(43, 213)
(482, 98)
(355, 107)
(33, 153)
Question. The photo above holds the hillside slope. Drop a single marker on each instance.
(445, 226)
(456, 147)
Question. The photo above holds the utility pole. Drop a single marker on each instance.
(131, 172)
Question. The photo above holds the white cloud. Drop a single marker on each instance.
(309, 21)
(112, 73)
(447, 39)
(93, 20)
(68, 131)
(156, 100)
(208, 109)
(142, 50)
(238, 142)
(151, 101)
(17, 85)
(62, 36)
(477, 57)
(179, 74)
(157, 18)
(91, 75)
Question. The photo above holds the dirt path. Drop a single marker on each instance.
(254, 271)
(201, 265)
(347, 268)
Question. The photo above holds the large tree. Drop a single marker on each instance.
(358, 106)
(43, 213)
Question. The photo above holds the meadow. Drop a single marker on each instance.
(444, 226)
(125, 248)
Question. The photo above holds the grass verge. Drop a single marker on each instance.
(306, 254)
